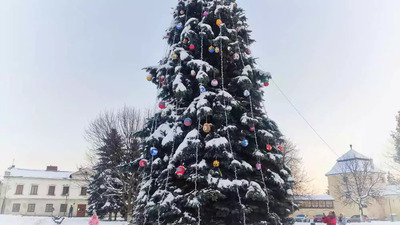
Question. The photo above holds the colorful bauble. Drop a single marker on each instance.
(174, 56)
(245, 143)
(235, 5)
(149, 77)
(252, 128)
(211, 49)
(162, 78)
(161, 105)
(280, 147)
(214, 82)
(269, 147)
(187, 122)
(180, 171)
(191, 47)
(163, 114)
(142, 163)
(236, 56)
(207, 128)
(248, 51)
(205, 14)
(179, 26)
(216, 163)
(217, 50)
(258, 166)
(228, 108)
(266, 83)
(153, 151)
(219, 22)
(202, 89)
(246, 93)
(185, 40)
(193, 73)
(182, 12)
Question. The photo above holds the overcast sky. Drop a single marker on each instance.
(62, 62)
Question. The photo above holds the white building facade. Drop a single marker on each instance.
(44, 192)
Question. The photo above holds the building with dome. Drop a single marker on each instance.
(347, 166)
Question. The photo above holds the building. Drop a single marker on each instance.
(387, 206)
(44, 192)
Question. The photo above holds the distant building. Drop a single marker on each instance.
(387, 205)
(44, 192)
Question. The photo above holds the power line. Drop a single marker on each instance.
(301, 115)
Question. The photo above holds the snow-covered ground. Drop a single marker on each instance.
(27, 220)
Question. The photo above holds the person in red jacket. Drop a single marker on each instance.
(330, 219)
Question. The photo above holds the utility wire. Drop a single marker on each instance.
(301, 115)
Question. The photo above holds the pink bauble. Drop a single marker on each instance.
(258, 166)
(252, 128)
(205, 14)
(214, 83)
(236, 56)
(248, 51)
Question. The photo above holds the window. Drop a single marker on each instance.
(329, 204)
(52, 190)
(20, 190)
(307, 204)
(16, 207)
(321, 204)
(49, 208)
(83, 190)
(31, 207)
(314, 204)
(34, 189)
(63, 208)
(65, 190)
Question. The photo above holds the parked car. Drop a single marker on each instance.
(301, 218)
(356, 218)
(318, 218)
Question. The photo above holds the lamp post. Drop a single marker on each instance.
(66, 205)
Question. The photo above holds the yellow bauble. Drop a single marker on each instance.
(207, 128)
(216, 163)
(219, 22)
(234, 5)
(149, 77)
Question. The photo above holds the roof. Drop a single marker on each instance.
(391, 190)
(342, 163)
(17, 172)
(314, 197)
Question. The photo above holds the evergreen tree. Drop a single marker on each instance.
(211, 155)
(396, 139)
(103, 190)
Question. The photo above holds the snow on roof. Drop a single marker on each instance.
(342, 165)
(17, 172)
(391, 190)
(314, 197)
(352, 154)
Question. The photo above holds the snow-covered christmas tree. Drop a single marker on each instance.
(211, 155)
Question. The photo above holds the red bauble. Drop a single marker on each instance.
(161, 105)
(191, 47)
(266, 84)
(180, 171)
(280, 147)
(142, 163)
(269, 147)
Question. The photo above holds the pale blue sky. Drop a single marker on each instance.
(62, 62)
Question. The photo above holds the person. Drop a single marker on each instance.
(330, 219)
(342, 219)
(71, 210)
(94, 220)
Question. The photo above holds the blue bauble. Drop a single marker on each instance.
(153, 151)
(246, 93)
(179, 26)
(202, 89)
(187, 122)
(245, 143)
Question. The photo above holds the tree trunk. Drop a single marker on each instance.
(361, 214)
(109, 216)
(115, 216)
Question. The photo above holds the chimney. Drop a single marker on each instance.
(51, 168)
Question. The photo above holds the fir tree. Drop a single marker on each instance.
(396, 139)
(103, 190)
(213, 125)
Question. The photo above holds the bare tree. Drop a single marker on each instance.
(295, 163)
(359, 183)
(127, 121)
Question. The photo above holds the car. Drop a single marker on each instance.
(318, 218)
(356, 218)
(301, 218)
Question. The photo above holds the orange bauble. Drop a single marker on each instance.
(219, 22)
(207, 128)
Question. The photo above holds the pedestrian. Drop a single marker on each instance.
(342, 219)
(330, 219)
(94, 220)
(71, 210)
